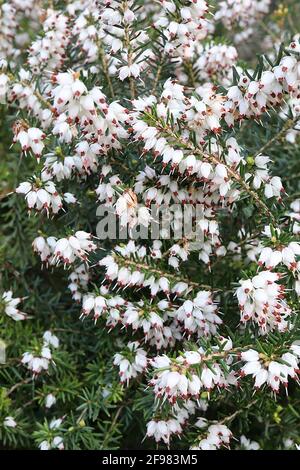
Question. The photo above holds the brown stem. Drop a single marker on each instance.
(105, 68)
(238, 412)
(146, 267)
(288, 125)
(129, 52)
(188, 66)
(107, 434)
(17, 385)
(156, 80)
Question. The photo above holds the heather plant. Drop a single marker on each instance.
(150, 214)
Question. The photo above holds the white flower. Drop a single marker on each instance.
(132, 362)
(129, 71)
(217, 435)
(38, 363)
(44, 445)
(43, 247)
(10, 306)
(50, 339)
(50, 400)
(31, 139)
(4, 84)
(41, 196)
(76, 246)
(69, 198)
(57, 441)
(55, 423)
(10, 422)
(130, 212)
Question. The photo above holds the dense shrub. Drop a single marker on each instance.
(171, 126)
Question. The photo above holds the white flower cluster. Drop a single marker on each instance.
(183, 27)
(164, 429)
(215, 62)
(41, 197)
(48, 51)
(123, 270)
(129, 212)
(242, 13)
(57, 441)
(79, 279)
(199, 316)
(9, 422)
(271, 372)
(217, 435)
(283, 254)
(131, 362)
(247, 444)
(295, 215)
(161, 322)
(13, 35)
(23, 91)
(52, 251)
(30, 139)
(251, 98)
(40, 362)
(116, 22)
(185, 376)
(74, 103)
(262, 300)
(10, 306)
